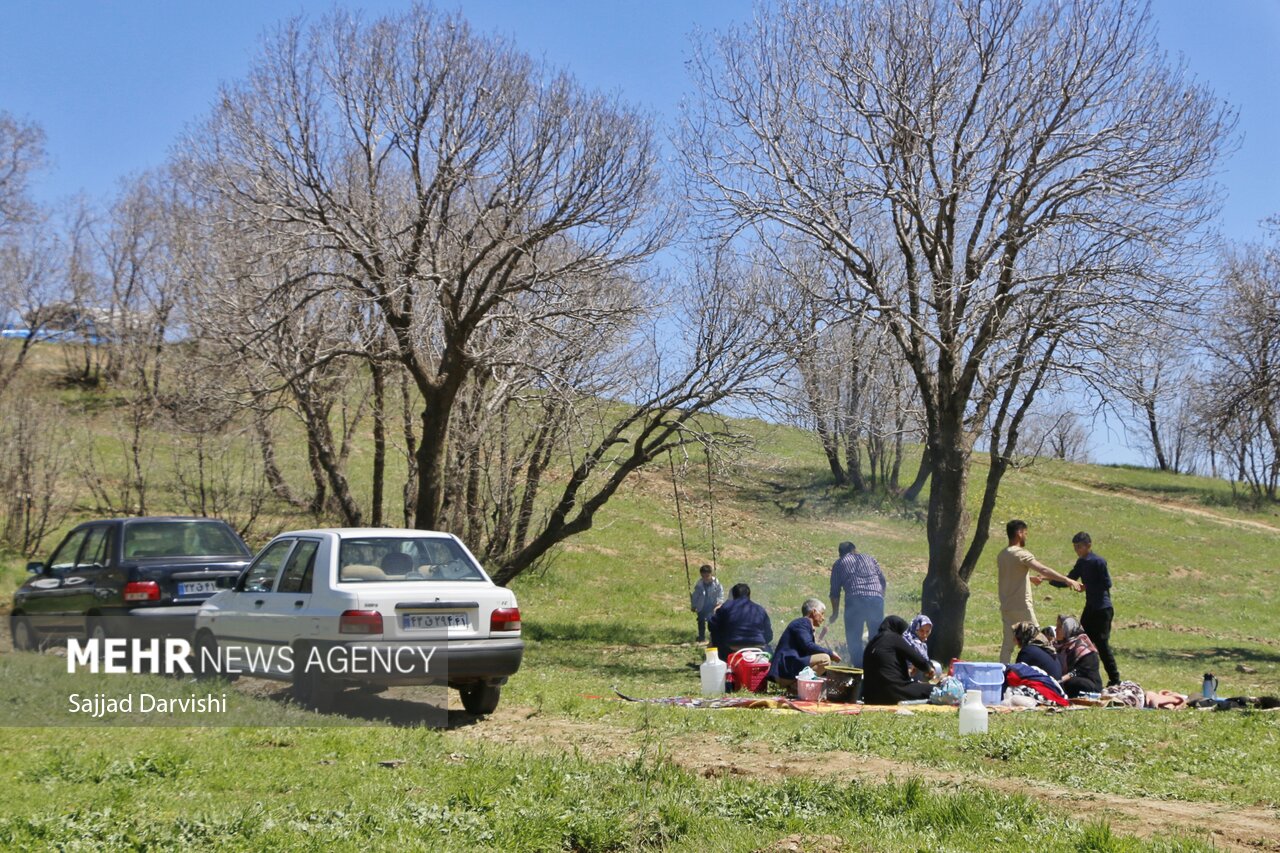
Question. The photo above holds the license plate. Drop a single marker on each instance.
(197, 588)
(434, 621)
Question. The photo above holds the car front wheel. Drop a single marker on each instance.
(480, 698)
(25, 638)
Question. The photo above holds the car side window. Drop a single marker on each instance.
(94, 552)
(64, 559)
(261, 576)
(299, 569)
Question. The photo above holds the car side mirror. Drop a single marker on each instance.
(35, 568)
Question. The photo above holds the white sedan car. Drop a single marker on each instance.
(327, 609)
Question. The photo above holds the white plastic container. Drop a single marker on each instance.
(712, 672)
(973, 714)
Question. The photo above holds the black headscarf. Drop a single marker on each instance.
(896, 624)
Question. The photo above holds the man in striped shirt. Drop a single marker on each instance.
(862, 581)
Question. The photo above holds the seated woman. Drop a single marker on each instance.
(917, 636)
(1034, 649)
(797, 647)
(1079, 658)
(886, 678)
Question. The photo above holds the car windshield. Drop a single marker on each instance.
(144, 539)
(407, 560)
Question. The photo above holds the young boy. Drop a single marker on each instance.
(705, 598)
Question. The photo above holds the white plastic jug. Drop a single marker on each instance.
(712, 671)
(973, 714)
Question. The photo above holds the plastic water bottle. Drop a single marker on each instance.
(973, 714)
(1210, 688)
(712, 672)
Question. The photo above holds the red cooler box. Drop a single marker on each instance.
(750, 668)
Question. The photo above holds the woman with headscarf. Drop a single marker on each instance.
(1079, 658)
(917, 636)
(1034, 649)
(886, 677)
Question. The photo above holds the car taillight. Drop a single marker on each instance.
(360, 622)
(505, 619)
(142, 591)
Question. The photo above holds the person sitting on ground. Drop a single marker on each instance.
(917, 636)
(1034, 649)
(740, 623)
(886, 675)
(1079, 658)
(797, 647)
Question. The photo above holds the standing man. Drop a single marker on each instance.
(862, 581)
(1015, 565)
(1092, 571)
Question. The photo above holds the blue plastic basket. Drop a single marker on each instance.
(987, 677)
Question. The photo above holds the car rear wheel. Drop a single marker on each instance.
(480, 698)
(311, 689)
(25, 638)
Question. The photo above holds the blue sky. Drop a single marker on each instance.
(113, 83)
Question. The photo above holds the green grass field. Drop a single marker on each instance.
(563, 766)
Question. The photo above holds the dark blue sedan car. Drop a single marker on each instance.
(127, 577)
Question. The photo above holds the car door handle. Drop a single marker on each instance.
(259, 603)
(298, 603)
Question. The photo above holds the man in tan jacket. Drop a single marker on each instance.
(1016, 564)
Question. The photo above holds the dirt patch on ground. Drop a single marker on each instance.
(1169, 504)
(1227, 826)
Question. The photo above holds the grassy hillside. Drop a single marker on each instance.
(563, 766)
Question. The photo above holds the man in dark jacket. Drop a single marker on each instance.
(1091, 570)
(797, 647)
(740, 623)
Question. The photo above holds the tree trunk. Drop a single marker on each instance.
(411, 449)
(270, 469)
(379, 441)
(321, 489)
(945, 595)
(922, 477)
(326, 457)
(832, 451)
(430, 512)
(1153, 426)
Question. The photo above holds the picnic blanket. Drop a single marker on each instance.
(784, 704)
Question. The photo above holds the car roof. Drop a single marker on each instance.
(370, 532)
(149, 519)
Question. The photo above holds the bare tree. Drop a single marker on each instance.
(30, 265)
(1240, 406)
(1001, 180)
(21, 153)
(29, 253)
(850, 385)
(1150, 374)
(1055, 434)
(450, 172)
(35, 447)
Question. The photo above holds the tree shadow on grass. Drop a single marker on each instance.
(1207, 656)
